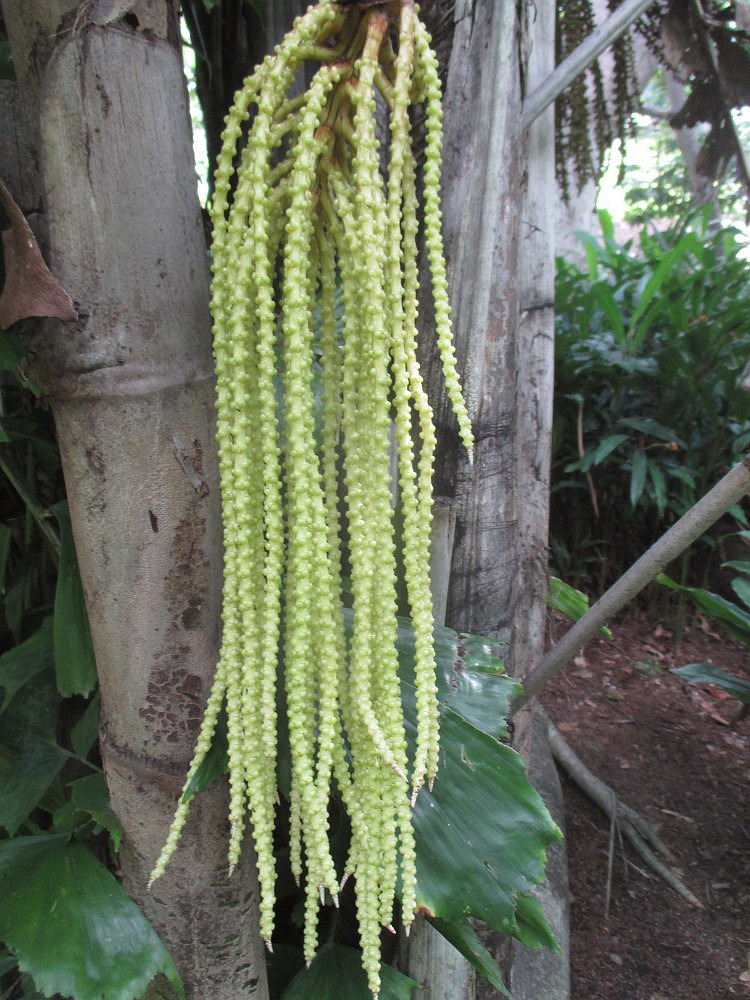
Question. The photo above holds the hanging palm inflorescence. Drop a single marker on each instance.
(703, 45)
(309, 405)
(587, 118)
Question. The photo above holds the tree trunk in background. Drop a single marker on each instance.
(482, 182)
(131, 387)
(541, 975)
(499, 206)
(481, 192)
(536, 355)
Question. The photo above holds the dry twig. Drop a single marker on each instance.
(631, 824)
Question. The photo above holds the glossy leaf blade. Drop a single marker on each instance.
(85, 732)
(637, 475)
(89, 801)
(463, 937)
(735, 619)
(533, 929)
(471, 676)
(23, 663)
(215, 763)
(471, 680)
(336, 972)
(72, 926)
(28, 766)
(707, 673)
(481, 833)
(571, 602)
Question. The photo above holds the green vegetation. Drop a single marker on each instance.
(651, 342)
(734, 618)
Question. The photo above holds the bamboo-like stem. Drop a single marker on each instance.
(699, 518)
(582, 57)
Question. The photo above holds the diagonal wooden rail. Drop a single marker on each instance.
(727, 492)
(582, 57)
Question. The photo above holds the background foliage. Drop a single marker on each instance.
(651, 341)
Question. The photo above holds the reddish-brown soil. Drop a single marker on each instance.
(667, 749)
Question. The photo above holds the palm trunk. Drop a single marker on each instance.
(482, 178)
(131, 387)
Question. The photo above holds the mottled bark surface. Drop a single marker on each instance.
(481, 192)
(538, 975)
(481, 207)
(498, 199)
(536, 356)
(131, 386)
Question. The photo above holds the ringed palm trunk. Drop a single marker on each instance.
(131, 386)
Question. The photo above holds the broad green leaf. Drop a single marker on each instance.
(336, 973)
(689, 243)
(607, 224)
(483, 830)
(72, 926)
(592, 258)
(637, 475)
(215, 762)
(738, 565)
(23, 663)
(28, 766)
(533, 929)
(594, 252)
(28, 990)
(739, 515)
(741, 587)
(7, 964)
(707, 673)
(602, 295)
(471, 676)
(684, 475)
(654, 429)
(471, 680)
(571, 602)
(282, 965)
(86, 731)
(89, 801)
(464, 939)
(735, 620)
(607, 446)
(659, 485)
(74, 654)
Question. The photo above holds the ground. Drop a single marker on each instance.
(667, 748)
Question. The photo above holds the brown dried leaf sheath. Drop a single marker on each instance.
(30, 288)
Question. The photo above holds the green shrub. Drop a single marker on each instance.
(651, 343)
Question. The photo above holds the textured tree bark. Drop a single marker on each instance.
(482, 177)
(131, 386)
(538, 975)
(536, 354)
(481, 196)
